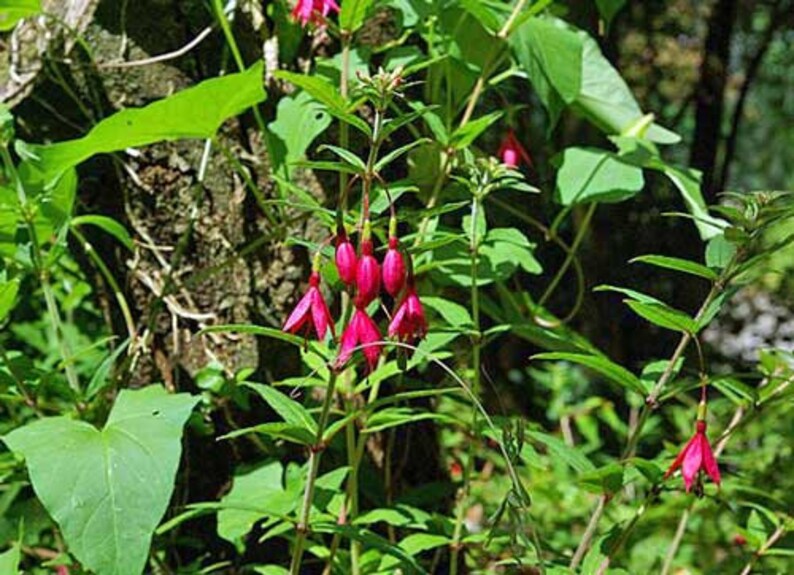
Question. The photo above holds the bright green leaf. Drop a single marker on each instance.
(602, 365)
(12, 11)
(592, 175)
(108, 225)
(288, 409)
(9, 560)
(353, 13)
(8, 297)
(664, 316)
(108, 489)
(678, 264)
(299, 120)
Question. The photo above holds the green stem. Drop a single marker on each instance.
(302, 527)
(42, 273)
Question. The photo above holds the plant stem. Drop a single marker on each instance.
(474, 248)
(302, 527)
(651, 403)
(779, 532)
(679, 535)
(42, 273)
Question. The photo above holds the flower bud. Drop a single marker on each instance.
(346, 260)
(393, 269)
(367, 275)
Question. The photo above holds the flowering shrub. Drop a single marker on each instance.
(442, 394)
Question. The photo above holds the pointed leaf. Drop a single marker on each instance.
(678, 264)
(602, 365)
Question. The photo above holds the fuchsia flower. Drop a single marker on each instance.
(393, 268)
(346, 260)
(367, 275)
(409, 323)
(361, 330)
(512, 153)
(694, 457)
(311, 311)
(315, 11)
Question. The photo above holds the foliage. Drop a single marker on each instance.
(325, 472)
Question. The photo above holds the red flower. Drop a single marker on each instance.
(346, 259)
(393, 268)
(512, 153)
(367, 275)
(409, 323)
(311, 311)
(694, 457)
(361, 331)
(314, 11)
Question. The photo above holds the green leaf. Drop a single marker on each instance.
(592, 175)
(289, 410)
(353, 13)
(609, 8)
(100, 379)
(678, 264)
(559, 450)
(271, 570)
(606, 100)
(606, 479)
(688, 183)
(396, 416)
(108, 489)
(8, 297)
(9, 560)
(394, 154)
(325, 93)
(414, 544)
(602, 365)
(664, 316)
(465, 135)
(453, 313)
(346, 156)
(12, 11)
(719, 252)
(299, 120)
(551, 55)
(255, 330)
(196, 112)
(108, 225)
(254, 496)
(508, 248)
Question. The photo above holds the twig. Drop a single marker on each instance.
(161, 57)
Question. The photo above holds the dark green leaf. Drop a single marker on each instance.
(602, 365)
(108, 225)
(678, 264)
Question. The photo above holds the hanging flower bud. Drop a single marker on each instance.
(311, 310)
(696, 456)
(393, 263)
(346, 260)
(367, 272)
(512, 153)
(361, 331)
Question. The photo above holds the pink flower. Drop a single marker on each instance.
(694, 457)
(367, 275)
(409, 323)
(361, 331)
(311, 311)
(512, 153)
(313, 11)
(346, 261)
(393, 269)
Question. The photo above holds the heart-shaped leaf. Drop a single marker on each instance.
(108, 489)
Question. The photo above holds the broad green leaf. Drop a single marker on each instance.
(9, 560)
(606, 100)
(12, 11)
(664, 316)
(602, 365)
(108, 225)
(352, 14)
(8, 297)
(551, 55)
(490, 13)
(255, 495)
(508, 248)
(196, 112)
(299, 120)
(678, 264)
(289, 410)
(592, 175)
(719, 252)
(108, 489)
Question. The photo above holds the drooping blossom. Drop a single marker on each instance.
(694, 457)
(512, 153)
(311, 312)
(367, 274)
(409, 323)
(361, 331)
(393, 268)
(314, 11)
(346, 260)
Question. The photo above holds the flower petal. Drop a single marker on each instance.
(320, 314)
(349, 341)
(709, 463)
(300, 314)
(692, 460)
